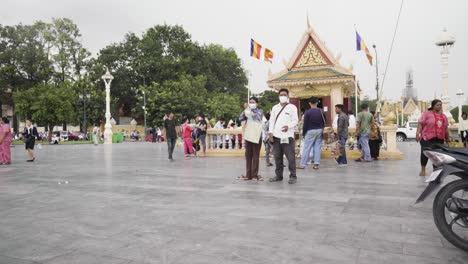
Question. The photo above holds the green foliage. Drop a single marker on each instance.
(45, 62)
(223, 105)
(454, 112)
(184, 97)
(46, 104)
(267, 100)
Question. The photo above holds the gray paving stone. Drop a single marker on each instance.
(128, 204)
(8, 260)
(78, 257)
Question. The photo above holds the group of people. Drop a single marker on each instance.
(193, 136)
(29, 136)
(277, 133)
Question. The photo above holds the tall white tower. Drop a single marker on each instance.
(445, 41)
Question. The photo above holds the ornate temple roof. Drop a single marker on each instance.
(311, 64)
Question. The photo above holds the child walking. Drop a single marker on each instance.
(187, 135)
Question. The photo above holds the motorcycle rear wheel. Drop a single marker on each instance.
(440, 211)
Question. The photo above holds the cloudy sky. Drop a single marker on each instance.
(279, 25)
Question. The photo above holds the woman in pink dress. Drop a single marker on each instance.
(432, 129)
(5, 141)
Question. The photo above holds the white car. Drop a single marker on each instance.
(407, 132)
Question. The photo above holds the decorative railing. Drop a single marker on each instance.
(224, 139)
(229, 142)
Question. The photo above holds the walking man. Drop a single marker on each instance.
(312, 130)
(96, 135)
(363, 125)
(170, 133)
(342, 133)
(283, 120)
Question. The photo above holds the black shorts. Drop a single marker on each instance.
(30, 144)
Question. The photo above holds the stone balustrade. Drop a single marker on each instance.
(229, 142)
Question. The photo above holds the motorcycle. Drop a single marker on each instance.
(450, 206)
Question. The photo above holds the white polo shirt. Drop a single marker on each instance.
(288, 117)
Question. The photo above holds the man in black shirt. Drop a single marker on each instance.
(170, 133)
(203, 126)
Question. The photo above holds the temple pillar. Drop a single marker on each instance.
(336, 97)
(326, 104)
(297, 103)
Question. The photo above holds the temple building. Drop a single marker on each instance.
(314, 71)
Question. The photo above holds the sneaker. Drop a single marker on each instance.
(342, 164)
(275, 179)
(292, 180)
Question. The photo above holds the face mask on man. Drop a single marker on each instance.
(283, 99)
(253, 106)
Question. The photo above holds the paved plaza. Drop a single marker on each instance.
(128, 204)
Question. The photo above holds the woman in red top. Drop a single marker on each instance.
(432, 129)
(5, 141)
(187, 135)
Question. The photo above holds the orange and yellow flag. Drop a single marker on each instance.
(268, 55)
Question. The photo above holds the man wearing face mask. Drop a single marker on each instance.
(283, 120)
(253, 139)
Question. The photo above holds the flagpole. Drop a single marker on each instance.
(356, 96)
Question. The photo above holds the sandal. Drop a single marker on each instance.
(258, 178)
(244, 178)
(315, 167)
(300, 167)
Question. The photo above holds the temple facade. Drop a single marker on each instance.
(313, 71)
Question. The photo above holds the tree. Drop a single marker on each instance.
(454, 112)
(184, 97)
(46, 104)
(267, 100)
(69, 56)
(223, 105)
(223, 70)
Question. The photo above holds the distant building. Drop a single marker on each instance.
(410, 91)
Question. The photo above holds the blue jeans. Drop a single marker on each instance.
(365, 150)
(312, 139)
(342, 158)
(267, 151)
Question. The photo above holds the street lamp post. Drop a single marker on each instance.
(144, 110)
(376, 72)
(107, 78)
(377, 82)
(460, 95)
(85, 98)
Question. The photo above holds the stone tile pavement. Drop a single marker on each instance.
(128, 204)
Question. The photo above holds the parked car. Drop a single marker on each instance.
(408, 131)
(75, 136)
(63, 135)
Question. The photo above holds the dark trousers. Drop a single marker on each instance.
(171, 142)
(252, 158)
(287, 150)
(374, 146)
(425, 144)
(342, 147)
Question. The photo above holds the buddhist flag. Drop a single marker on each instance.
(360, 45)
(255, 49)
(268, 55)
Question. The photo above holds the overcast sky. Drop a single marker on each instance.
(279, 25)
